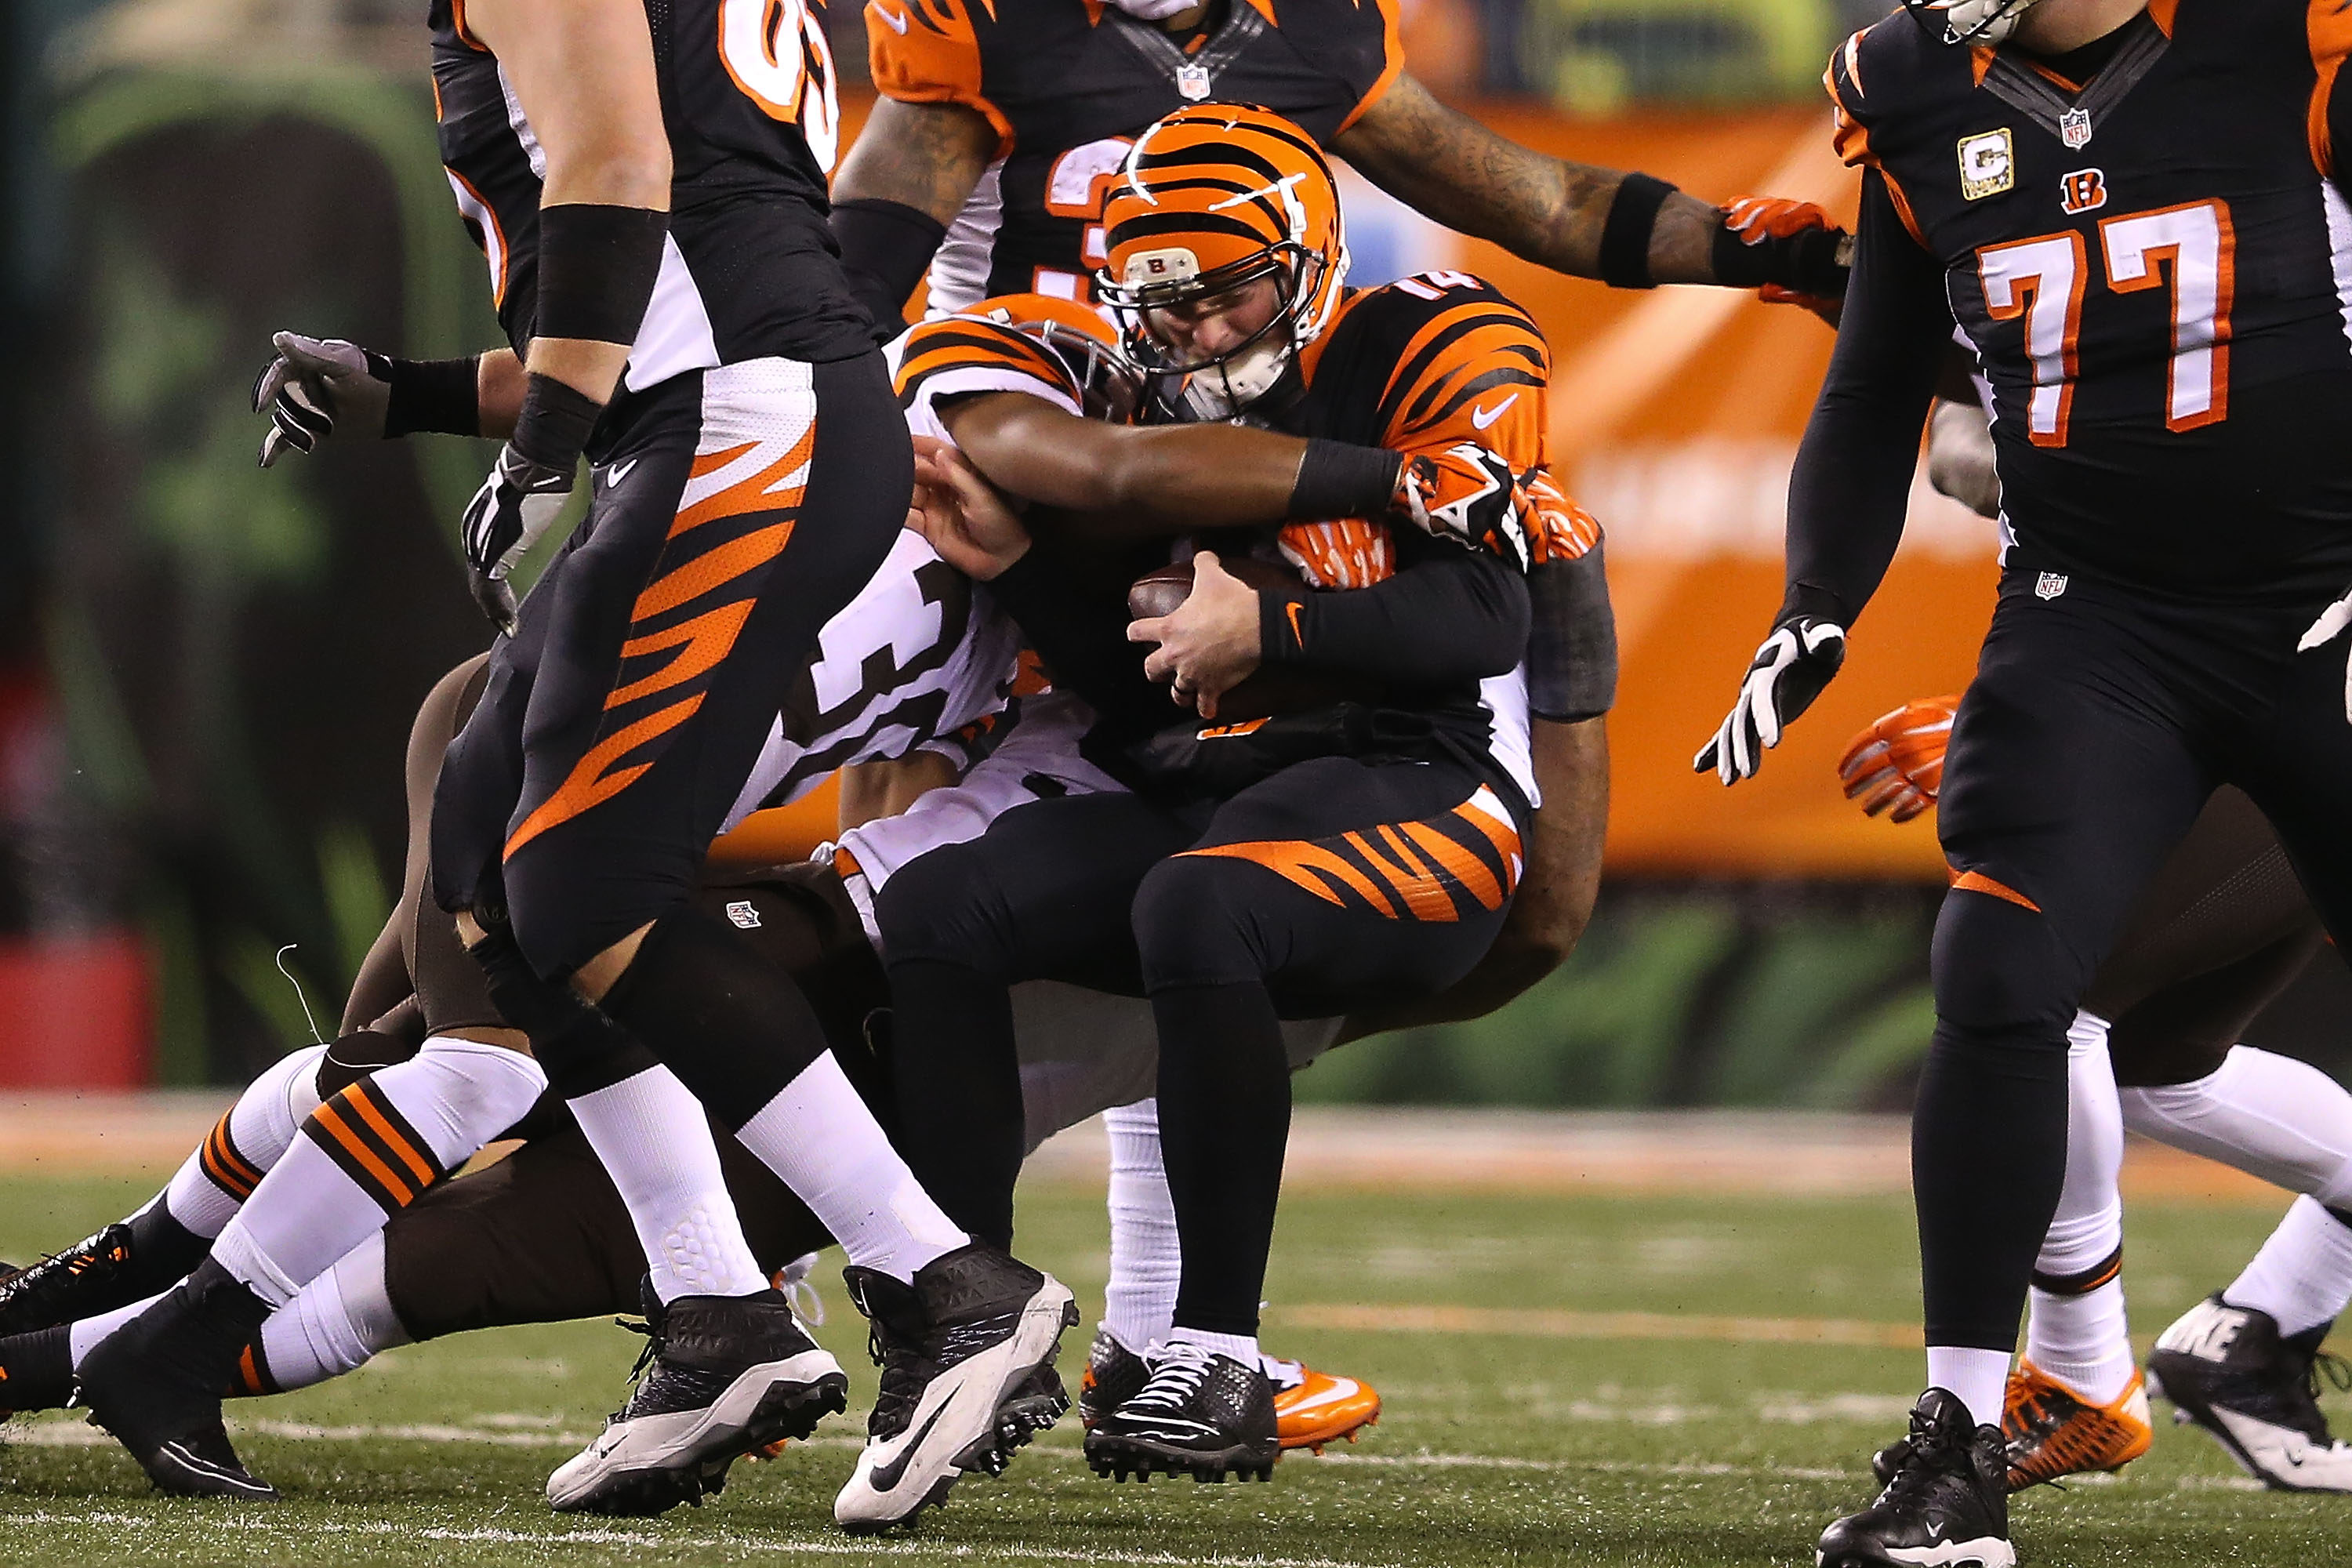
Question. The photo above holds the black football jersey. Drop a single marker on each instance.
(2155, 268)
(750, 268)
(1069, 84)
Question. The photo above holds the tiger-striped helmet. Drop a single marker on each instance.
(1211, 199)
(1079, 336)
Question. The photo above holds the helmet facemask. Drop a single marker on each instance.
(1224, 385)
(1980, 23)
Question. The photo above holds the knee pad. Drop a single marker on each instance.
(2000, 967)
(1193, 926)
(471, 1092)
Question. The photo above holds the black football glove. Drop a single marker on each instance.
(512, 511)
(317, 386)
(1789, 671)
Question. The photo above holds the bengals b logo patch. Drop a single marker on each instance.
(2083, 191)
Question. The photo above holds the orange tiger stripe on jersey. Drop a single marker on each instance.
(706, 639)
(1480, 372)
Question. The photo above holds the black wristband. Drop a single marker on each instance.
(443, 396)
(1625, 236)
(1811, 601)
(886, 248)
(596, 270)
(1340, 479)
(1806, 262)
(555, 422)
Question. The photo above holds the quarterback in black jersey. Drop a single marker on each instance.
(2135, 212)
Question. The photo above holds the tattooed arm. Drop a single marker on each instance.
(899, 188)
(1449, 167)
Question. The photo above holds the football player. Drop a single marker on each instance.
(1239, 852)
(647, 185)
(2221, 930)
(2178, 509)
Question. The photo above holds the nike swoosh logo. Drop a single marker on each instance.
(885, 1478)
(1935, 1529)
(1482, 417)
(1297, 636)
(898, 19)
(619, 471)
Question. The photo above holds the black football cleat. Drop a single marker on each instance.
(1200, 1415)
(1946, 1504)
(1114, 1376)
(74, 1284)
(722, 1376)
(156, 1385)
(967, 1356)
(2229, 1370)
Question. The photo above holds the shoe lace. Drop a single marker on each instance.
(906, 1371)
(1179, 1368)
(2337, 1371)
(1924, 1456)
(648, 1353)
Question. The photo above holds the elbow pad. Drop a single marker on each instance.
(1572, 642)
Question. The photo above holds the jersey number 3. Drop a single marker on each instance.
(2043, 280)
(777, 54)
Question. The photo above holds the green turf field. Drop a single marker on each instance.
(1561, 1441)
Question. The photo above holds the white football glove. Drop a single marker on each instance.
(1790, 670)
(316, 386)
(512, 511)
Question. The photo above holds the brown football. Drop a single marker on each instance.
(1288, 689)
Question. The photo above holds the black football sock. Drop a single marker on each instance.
(958, 1081)
(36, 1369)
(1224, 1121)
(163, 1250)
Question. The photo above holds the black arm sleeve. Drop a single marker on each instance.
(1572, 640)
(1458, 615)
(1079, 631)
(886, 248)
(1852, 483)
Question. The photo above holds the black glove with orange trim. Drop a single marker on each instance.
(1465, 493)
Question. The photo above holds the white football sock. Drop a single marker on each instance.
(1977, 1378)
(366, 1154)
(2268, 1115)
(819, 1136)
(2303, 1275)
(1243, 1348)
(334, 1325)
(2080, 1336)
(1146, 1265)
(655, 1143)
(243, 1146)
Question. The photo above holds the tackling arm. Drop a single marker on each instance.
(909, 174)
(1447, 166)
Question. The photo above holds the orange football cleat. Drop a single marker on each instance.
(2050, 1431)
(1312, 1408)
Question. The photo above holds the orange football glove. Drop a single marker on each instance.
(1556, 528)
(1756, 219)
(1347, 553)
(1464, 492)
(1896, 765)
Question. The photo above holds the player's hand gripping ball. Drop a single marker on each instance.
(1790, 670)
(1896, 765)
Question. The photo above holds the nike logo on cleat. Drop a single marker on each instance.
(887, 1476)
(898, 19)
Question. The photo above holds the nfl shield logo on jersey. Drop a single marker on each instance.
(2050, 586)
(2074, 127)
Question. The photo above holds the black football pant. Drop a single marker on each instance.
(734, 511)
(2098, 724)
(1335, 884)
